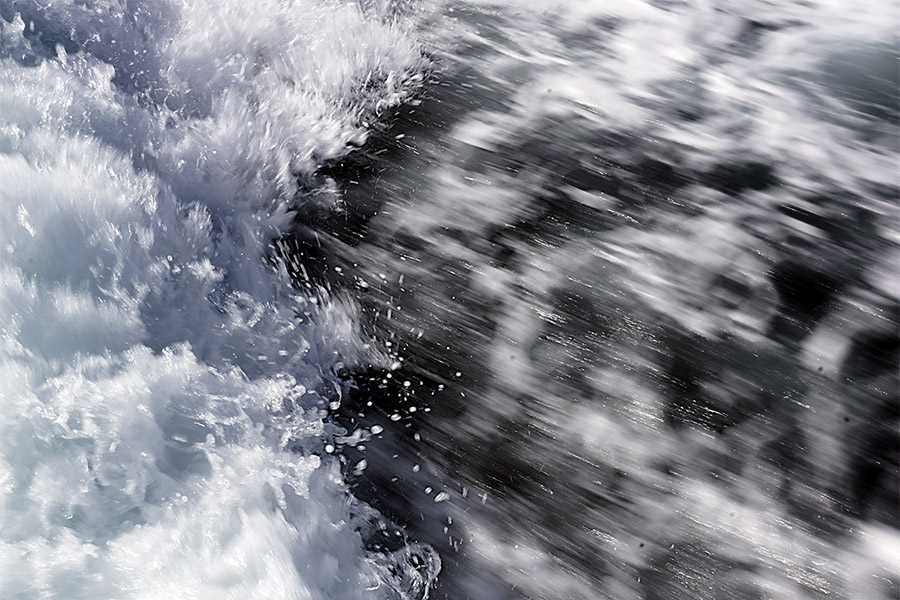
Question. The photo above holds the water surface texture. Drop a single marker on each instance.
(561, 299)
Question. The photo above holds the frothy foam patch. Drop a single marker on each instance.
(161, 415)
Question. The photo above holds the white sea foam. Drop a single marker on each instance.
(159, 421)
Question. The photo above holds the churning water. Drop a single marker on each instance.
(563, 299)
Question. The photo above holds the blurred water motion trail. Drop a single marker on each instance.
(562, 299)
(636, 268)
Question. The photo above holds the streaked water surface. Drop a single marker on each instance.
(488, 300)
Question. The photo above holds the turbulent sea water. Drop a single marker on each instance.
(562, 299)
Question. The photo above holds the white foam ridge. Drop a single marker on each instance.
(160, 426)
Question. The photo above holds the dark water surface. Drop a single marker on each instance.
(636, 359)
(562, 299)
